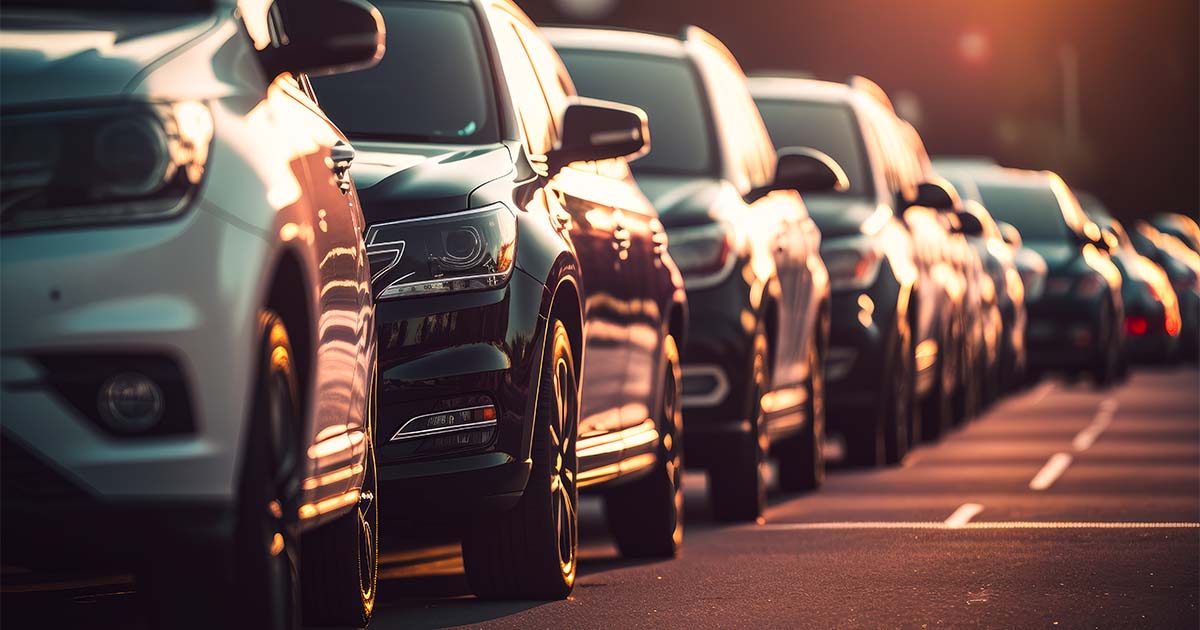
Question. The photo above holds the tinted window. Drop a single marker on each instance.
(524, 87)
(827, 127)
(670, 93)
(1033, 210)
(433, 85)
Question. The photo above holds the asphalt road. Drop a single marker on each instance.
(1063, 507)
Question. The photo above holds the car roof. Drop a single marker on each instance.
(794, 88)
(618, 40)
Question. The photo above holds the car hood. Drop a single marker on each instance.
(52, 56)
(687, 200)
(405, 180)
(838, 216)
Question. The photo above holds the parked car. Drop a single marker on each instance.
(758, 294)
(1076, 323)
(530, 316)
(894, 339)
(1004, 282)
(1152, 318)
(1181, 227)
(978, 310)
(1182, 266)
(189, 344)
(1033, 270)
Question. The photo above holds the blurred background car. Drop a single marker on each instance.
(1182, 266)
(188, 366)
(999, 258)
(979, 310)
(757, 288)
(1076, 323)
(1181, 227)
(530, 316)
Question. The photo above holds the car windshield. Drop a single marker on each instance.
(668, 89)
(827, 127)
(1034, 210)
(432, 85)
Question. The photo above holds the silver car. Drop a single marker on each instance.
(187, 337)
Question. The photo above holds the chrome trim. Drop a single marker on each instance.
(712, 398)
(400, 435)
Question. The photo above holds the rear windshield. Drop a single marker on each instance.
(433, 84)
(1034, 210)
(668, 89)
(827, 127)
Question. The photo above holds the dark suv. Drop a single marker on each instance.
(529, 315)
(757, 288)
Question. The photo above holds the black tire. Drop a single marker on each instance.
(936, 408)
(899, 410)
(529, 551)
(267, 560)
(801, 457)
(645, 516)
(341, 558)
(737, 483)
(1106, 370)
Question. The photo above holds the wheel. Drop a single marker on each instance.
(737, 485)
(936, 408)
(267, 569)
(646, 515)
(528, 552)
(341, 558)
(1107, 368)
(898, 412)
(802, 457)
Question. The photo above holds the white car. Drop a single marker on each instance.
(188, 337)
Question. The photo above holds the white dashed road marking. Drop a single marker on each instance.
(1104, 416)
(963, 515)
(1054, 468)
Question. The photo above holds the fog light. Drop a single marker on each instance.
(450, 421)
(130, 403)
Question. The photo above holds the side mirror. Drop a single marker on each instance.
(1109, 238)
(324, 37)
(938, 194)
(808, 170)
(1011, 234)
(969, 224)
(600, 130)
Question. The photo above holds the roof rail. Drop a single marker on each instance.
(872, 89)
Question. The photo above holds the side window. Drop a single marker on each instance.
(524, 86)
(739, 123)
(551, 73)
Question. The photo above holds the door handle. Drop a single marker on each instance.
(341, 156)
(562, 218)
(622, 238)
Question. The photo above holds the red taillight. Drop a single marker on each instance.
(1136, 325)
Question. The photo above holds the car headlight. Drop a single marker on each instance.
(702, 251)
(464, 251)
(102, 165)
(853, 262)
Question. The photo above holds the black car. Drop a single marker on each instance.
(1182, 266)
(757, 289)
(529, 315)
(1152, 317)
(897, 336)
(1076, 324)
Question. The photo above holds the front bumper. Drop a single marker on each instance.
(1064, 333)
(106, 291)
(463, 351)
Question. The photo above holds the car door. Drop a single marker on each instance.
(341, 373)
(574, 192)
